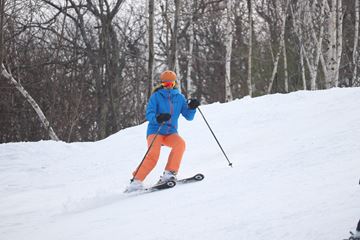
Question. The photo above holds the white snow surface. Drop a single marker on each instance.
(295, 175)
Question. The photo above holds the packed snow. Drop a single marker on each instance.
(295, 176)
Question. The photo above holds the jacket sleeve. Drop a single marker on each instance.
(151, 109)
(188, 113)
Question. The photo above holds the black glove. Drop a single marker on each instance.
(163, 117)
(193, 103)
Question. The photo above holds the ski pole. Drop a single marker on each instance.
(148, 150)
(230, 164)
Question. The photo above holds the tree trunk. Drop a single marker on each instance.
(2, 13)
(286, 75)
(190, 84)
(355, 53)
(249, 82)
(178, 72)
(173, 42)
(339, 45)
(298, 29)
(303, 76)
(151, 47)
(229, 41)
(32, 102)
(282, 35)
(105, 62)
(331, 64)
(286, 78)
(313, 66)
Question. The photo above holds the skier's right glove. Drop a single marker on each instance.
(163, 117)
(193, 103)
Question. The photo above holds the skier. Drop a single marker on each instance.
(163, 110)
(356, 235)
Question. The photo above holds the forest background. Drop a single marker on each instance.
(81, 70)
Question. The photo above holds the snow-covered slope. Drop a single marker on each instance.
(295, 176)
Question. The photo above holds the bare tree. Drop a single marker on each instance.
(286, 75)
(174, 34)
(282, 35)
(303, 74)
(332, 59)
(339, 48)
(30, 100)
(2, 13)
(355, 54)
(151, 54)
(296, 21)
(189, 81)
(312, 50)
(229, 41)
(249, 82)
(104, 58)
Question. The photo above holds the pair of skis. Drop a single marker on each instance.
(352, 237)
(170, 184)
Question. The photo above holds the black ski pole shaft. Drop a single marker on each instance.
(148, 150)
(230, 164)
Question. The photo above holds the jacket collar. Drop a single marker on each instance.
(165, 92)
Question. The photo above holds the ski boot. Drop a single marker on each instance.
(135, 185)
(167, 176)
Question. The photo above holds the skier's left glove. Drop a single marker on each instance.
(193, 103)
(163, 117)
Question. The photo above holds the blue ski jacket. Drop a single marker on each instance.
(167, 101)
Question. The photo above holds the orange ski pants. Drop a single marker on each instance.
(177, 145)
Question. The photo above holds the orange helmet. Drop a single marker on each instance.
(167, 76)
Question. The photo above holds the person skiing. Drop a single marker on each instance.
(356, 235)
(163, 110)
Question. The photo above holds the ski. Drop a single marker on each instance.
(156, 187)
(161, 186)
(170, 184)
(196, 178)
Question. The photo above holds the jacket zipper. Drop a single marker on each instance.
(171, 111)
